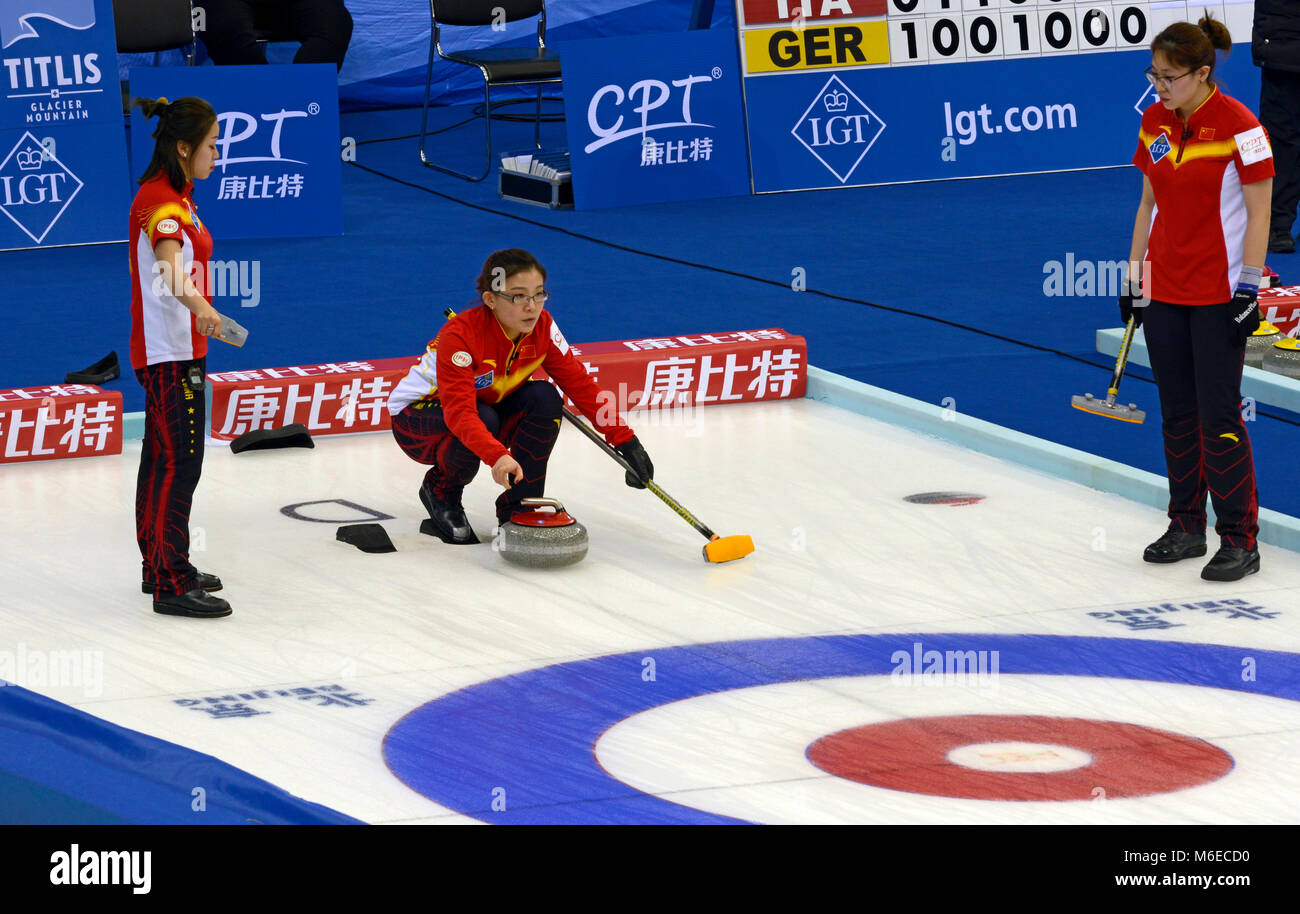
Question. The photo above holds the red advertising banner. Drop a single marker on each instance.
(739, 367)
(331, 399)
(764, 11)
(1280, 306)
(662, 372)
(64, 420)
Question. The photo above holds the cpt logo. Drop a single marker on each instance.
(838, 128)
(644, 96)
(15, 25)
(238, 127)
(35, 187)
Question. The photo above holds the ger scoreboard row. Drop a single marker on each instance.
(781, 36)
(844, 93)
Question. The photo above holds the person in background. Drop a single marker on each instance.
(1201, 227)
(1275, 46)
(469, 399)
(170, 323)
(324, 28)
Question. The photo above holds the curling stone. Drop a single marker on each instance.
(542, 539)
(1260, 342)
(1283, 357)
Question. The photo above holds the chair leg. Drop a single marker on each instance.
(487, 127)
(424, 118)
(537, 124)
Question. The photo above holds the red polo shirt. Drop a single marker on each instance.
(1197, 169)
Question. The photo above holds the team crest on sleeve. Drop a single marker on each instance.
(1159, 148)
(169, 227)
(558, 339)
(462, 359)
(1253, 146)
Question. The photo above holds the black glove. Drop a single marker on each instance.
(1243, 313)
(632, 451)
(1131, 305)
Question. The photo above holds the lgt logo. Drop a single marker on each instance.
(838, 128)
(1146, 99)
(35, 187)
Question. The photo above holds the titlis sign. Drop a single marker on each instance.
(661, 119)
(278, 172)
(62, 161)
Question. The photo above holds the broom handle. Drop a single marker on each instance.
(649, 483)
(1122, 361)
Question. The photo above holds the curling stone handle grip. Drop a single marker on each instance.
(542, 503)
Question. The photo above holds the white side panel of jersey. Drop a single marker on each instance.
(167, 336)
(1232, 215)
(419, 382)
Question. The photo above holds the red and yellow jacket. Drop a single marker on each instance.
(473, 361)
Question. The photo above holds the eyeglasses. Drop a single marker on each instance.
(1163, 82)
(540, 298)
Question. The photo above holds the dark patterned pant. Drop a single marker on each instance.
(1198, 374)
(171, 461)
(527, 422)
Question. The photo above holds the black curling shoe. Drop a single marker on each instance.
(208, 582)
(1231, 564)
(1175, 546)
(196, 604)
(446, 521)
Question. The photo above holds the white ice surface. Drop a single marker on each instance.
(838, 551)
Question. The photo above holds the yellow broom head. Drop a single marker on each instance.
(728, 548)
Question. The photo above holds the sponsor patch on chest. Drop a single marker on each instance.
(1159, 148)
(483, 381)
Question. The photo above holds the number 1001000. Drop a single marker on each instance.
(1029, 33)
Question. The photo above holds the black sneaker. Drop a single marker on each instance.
(1175, 546)
(1281, 243)
(1231, 564)
(208, 582)
(446, 521)
(196, 604)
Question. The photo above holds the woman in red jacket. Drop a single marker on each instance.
(469, 399)
(170, 323)
(1202, 227)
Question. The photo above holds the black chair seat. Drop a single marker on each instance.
(505, 65)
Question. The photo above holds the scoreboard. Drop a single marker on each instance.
(927, 89)
(784, 35)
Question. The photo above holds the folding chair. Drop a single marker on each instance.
(499, 66)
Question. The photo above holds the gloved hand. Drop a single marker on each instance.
(1243, 310)
(1131, 303)
(632, 451)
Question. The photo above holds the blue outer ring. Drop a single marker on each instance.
(533, 735)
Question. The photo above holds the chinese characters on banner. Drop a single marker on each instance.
(1280, 306)
(80, 420)
(65, 420)
(346, 397)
